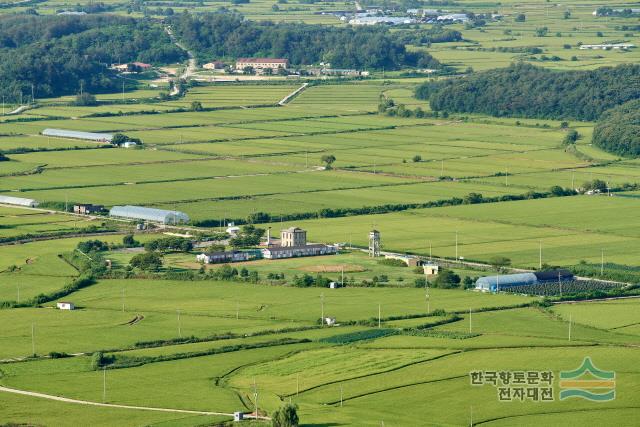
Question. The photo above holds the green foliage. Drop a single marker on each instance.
(128, 241)
(248, 236)
(618, 130)
(148, 261)
(285, 416)
(168, 244)
(85, 99)
(92, 246)
(499, 261)
(3, 157)
(446, 279)
(217, 34)
(367, 334)
(392, 262)
(56, 53)
(571, 137)
(328, 160)
(524, 90)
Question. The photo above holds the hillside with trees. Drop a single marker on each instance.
(215, 35)
(618, 130)
(56, 54)
(524, 90)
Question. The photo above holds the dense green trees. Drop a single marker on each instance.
(218, 35)
(524, 90)
(57, 54)
(618, 130)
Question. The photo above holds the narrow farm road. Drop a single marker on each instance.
(109, 405)
(296, 92)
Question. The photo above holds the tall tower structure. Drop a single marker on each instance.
(374, 243)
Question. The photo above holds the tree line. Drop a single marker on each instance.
(523, 90)
(54, 55)
(217, 35)
(618, 130)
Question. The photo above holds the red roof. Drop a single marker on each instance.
(141, 64)
(271, 60)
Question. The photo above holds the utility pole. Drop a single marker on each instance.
(322, 308)
(506, 178)
(33, 339)
(104, 384)
(602, 262)
(123, 89)
(341, 395)
(33, 96)
(570, 319)
(18, 286)
(540, 257)
(237, 310)
(379, 315)
(297, 384)
(430, 258)
(560, 283)
(342, 279)
(456, 245)
(469, 320)
(426, 296)
(179, 325)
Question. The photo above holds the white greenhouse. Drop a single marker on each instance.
(90, 136)
(18, 201)
(149, 214)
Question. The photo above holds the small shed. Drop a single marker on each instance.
(430, 269)
(66, 305)
(238, 416)
(330, 321)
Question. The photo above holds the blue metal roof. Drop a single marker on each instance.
(493, 283)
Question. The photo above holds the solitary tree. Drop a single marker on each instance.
(417, 158)
(196, 106)
(499, 261)
(328, 160)
(285, 416)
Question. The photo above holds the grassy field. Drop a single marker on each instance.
(207, 345)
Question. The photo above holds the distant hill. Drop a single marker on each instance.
(524, 90)
(56, 53)
(213, 35)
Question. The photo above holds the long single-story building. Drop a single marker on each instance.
(149, 214)
(279, 252)
(223, 257)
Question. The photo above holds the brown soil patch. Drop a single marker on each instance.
(348, 268)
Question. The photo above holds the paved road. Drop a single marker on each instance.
(109, 405)
(286, 99)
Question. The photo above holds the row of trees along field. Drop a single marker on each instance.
(214, 35)
(56, 53)
(523, 90)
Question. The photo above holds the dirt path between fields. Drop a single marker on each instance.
(111, 405)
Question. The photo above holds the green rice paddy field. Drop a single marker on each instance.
(216, 346)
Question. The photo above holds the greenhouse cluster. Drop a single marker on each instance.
(149, 214)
